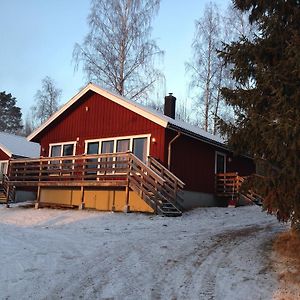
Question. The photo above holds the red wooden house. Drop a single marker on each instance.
(96, 122)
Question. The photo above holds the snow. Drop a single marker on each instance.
(208, 253)
(18, 145)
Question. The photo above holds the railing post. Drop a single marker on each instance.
(38, 197)
(127, 191)
(7, 195)
(81, 206)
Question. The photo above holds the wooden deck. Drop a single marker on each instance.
(155, 184)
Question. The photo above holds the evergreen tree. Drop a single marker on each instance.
(10, 114)
(267, 101)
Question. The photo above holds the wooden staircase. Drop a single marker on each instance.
(2, 195)
(154, 183)
(6, 193)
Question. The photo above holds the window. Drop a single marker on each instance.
(140, 148)
(139, 145)
(123, 145)
(3, 168)
(220, 163)
(65, 149)
(93, 148)
(68, 149)
(107, 147)
(55, 151)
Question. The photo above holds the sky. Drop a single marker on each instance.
(38, 37)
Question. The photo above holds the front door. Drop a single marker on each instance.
(220, 163)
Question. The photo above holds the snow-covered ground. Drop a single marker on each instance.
(208, 253)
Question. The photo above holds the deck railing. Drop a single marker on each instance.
(69, 168)
(228, 184)
(154, 185)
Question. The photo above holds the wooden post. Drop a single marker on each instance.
(81, 206)
(127, 207)
(7, 196)
(38, 198)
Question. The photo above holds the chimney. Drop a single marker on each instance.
(169, 109)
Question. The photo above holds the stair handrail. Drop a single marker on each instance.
(9, 191)
(158, 167)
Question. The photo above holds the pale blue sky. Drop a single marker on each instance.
(37, 39)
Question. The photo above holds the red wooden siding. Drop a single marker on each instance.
(93, 117)
(193, 161)
(3, 155)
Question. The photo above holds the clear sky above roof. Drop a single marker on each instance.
(37, 40)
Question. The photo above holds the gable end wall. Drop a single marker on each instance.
(93, 117)
(3, 155)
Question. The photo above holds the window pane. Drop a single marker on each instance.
(123, 145)
(140, 148)
(68, 149)
(93, 148)
(55, 151)
(107, 147)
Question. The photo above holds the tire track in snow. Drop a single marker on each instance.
(207, 259)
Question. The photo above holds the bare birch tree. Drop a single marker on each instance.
(205, 65)
(118, 52)
(208, 72)
(46, 101)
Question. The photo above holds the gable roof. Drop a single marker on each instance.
(14, 145)
(140, 109)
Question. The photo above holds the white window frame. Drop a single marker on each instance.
(115, 139)
(61, 151)
(5, 168)
(225, 160)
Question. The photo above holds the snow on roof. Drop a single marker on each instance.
(138, 108)
(18, 145)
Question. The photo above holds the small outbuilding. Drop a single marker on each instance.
(12, 147)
